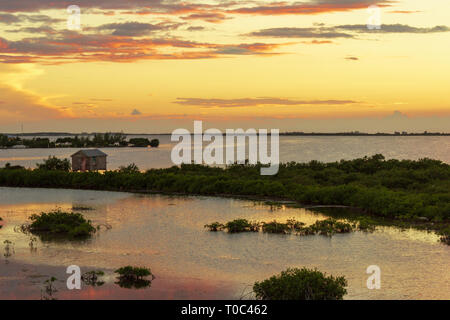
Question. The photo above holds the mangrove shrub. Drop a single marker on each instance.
(301, 284)
(61, 224)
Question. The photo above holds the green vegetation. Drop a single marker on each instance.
(241, 225)
(301, 284)
(366, 224)
(97, 140)
(134, 277)
(294, 224)
(133, 273)
(154, 143)
(215, 226)
(32, 244)
(403, 190)
(91, 278)
(131, 168)
(326, 227)
(38, 143)
(53, 163)
(140, 142)
(107, 140)
(329, 227)
(9, 249)
(60, 224)
(49, 289)
(6, 142)
(445, 235)
(276, 227)
(8, 166)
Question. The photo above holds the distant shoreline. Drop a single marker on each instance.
(332, 134)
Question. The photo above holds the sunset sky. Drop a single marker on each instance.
(153, 66)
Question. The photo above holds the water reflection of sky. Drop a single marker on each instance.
(166, 234)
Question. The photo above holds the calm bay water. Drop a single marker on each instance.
(166, 234)
(300, 149)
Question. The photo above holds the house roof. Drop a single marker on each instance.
(91, 153)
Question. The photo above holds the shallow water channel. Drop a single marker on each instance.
(166, 234)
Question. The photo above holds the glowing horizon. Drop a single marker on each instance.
(152, 66)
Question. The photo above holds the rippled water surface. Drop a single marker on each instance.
(166, 234)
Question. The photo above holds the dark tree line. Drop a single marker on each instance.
(400, 189)
(98, 140)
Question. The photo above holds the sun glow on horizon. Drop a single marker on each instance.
(209, 60)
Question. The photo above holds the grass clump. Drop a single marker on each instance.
(445, 235)
(235, 226)
(239, 225)
(326, 227)
(276, 227)
(131, 168)
(366, 224)
(61, 224)
(301, 284)
(215, 226)
(295, 225)
(49, 289)
(329, 227)
(91, 278)
(9, 249)
(134, 277)
(133, 273)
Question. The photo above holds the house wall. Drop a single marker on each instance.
(91, 165)
(76, 162)
(98, 164)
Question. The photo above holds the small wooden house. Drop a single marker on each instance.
(89, 160)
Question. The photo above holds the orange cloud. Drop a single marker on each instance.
(73, 47)
(212, 17)
(316, 7)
